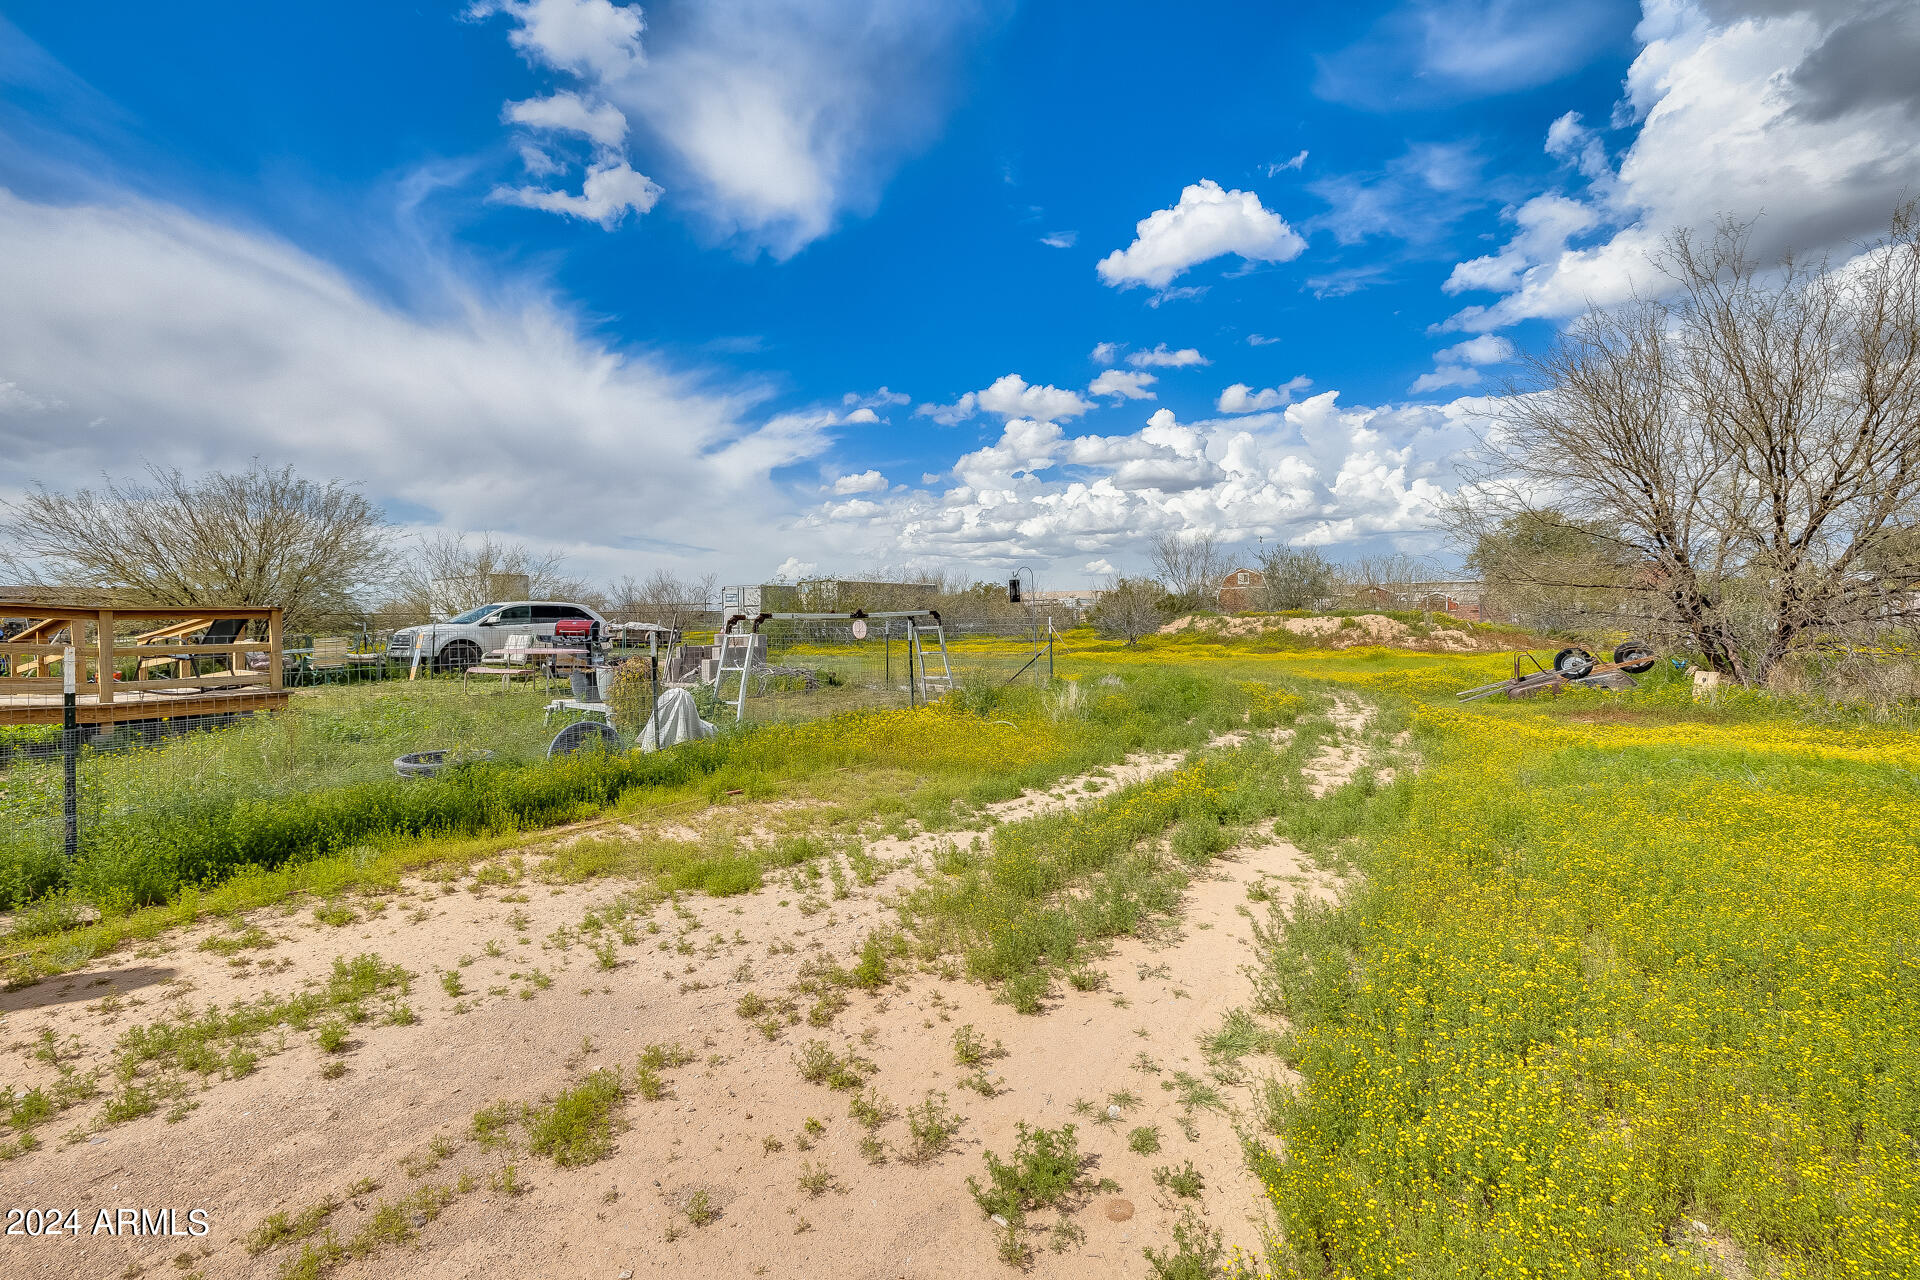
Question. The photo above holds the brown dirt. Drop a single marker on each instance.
(284, 1137)
(1338, 762)
(1345, 633)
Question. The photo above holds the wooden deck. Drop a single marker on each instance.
(139, 704)
(158, 673)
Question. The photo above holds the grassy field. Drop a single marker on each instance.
(316, 784)
(1620, 985)
(1616, 970)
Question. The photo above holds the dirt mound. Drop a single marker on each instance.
(1342, 632)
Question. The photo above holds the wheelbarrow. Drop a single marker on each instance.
(1571, 666)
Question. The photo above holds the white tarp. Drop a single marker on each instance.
(674, 719)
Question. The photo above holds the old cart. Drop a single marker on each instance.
(1570, 666)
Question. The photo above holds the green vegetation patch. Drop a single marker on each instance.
(1599, 982)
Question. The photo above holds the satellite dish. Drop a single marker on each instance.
(859, 628)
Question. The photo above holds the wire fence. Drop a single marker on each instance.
(361, 726)
(807, 669)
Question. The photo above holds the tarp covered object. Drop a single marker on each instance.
(674, 719)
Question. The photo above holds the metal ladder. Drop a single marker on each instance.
(917, 657)
(746, 650)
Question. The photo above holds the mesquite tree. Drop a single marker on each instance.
(1748, 446)
(1191, 565)
(264, 536)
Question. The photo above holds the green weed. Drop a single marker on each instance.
(577, 1127)
(1043, 1172)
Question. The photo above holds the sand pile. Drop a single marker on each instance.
(1342, 633)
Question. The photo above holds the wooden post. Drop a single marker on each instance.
(104, 662)
(276, 675)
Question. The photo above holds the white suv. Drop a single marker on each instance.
(461, 641)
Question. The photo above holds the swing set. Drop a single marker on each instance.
(741, 653)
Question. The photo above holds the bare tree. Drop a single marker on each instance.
(666, 598)
(1297, 579)
(1749, 450)
(263, 536)
(1191, 566)
(625, 598)
(446, 573)
(1391, 578)
(1810, 388)
(1131, 608)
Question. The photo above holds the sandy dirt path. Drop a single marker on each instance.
(286, 1137)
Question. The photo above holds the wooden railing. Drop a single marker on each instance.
(37, 651)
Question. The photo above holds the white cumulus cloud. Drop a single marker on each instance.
(1161, 357)
(609, 193)
(1743, 109)
(948, 414)
(793, 568)
(568, 112)
(1241, 398)
(864, 482)
(1207, 223)
(1315, 473)
(1123, 384)
(1010, 396)
(1457, 365)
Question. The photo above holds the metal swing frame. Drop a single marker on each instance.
(738, 651)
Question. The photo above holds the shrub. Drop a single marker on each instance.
(932, 1126)
(820, 1065)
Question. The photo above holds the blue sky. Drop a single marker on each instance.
(754, 286)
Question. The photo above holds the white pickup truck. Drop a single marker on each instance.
(461, 641)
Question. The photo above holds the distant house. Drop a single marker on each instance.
(1242, 590)
(1458, 597)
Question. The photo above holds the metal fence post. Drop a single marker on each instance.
(70, 753)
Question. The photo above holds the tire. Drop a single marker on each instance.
(457, 656)
(426, 764)
(1572, 663)
(583, 735)
(1635, 656)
